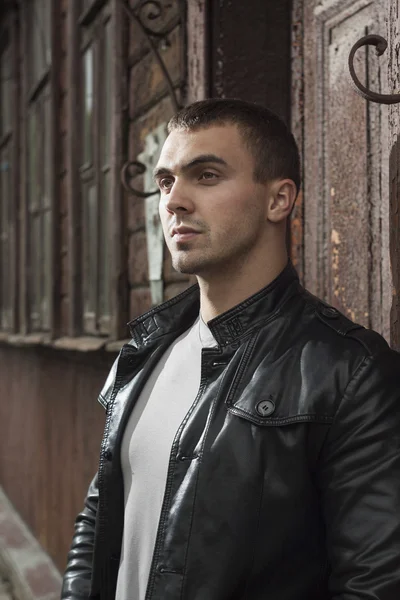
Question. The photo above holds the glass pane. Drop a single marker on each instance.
(35, 283)
(39, 27)
(7, 197)
(46, 269)
(4, 307)
(39, 203)
(47, 30)
(5, 91)
(47, 162)
(4, 239)
(87, 105)
(32, 186)
(106, 120)
(90, 303)
(104, 249)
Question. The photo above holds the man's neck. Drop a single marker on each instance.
(222, 292)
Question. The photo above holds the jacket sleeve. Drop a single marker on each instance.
(78, 574)
(77, 578)
(359, 479)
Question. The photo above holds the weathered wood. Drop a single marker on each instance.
(345, 202)
(296, 233)
(15, 157)
(197, 51)
(250, 52)
(51, 433)
(73, 186)
(23, 165)
(119, 147)
(393, 37)
(54, 276)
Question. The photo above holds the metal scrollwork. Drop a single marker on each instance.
(381, 45)
(153, 18)
(129, 172)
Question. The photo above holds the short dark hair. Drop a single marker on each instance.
(267, 137)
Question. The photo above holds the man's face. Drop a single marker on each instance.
(212, 211)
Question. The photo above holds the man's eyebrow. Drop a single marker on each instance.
(198, 160)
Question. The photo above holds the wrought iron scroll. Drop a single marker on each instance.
(130, 170)
(381, 45)
(151, 17)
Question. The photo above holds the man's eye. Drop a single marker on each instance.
(165, 183)
(208, 175)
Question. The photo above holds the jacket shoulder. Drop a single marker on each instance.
(371, 341)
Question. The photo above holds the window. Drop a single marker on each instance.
(6, 188)
(59, 274)
(39, 165)
(95, 60)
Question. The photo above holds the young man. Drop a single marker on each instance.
(252, 438)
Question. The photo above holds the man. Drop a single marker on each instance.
(252, 437)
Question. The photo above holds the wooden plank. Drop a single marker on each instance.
(296, 232)
(346, 196)
(74, 199)
(119, 144)
(15, 161)
(197, 25)
(394, 173)
(23, 212)
(258, 68)
(46, 425)
(345, 254)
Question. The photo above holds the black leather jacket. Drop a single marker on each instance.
(284, 477)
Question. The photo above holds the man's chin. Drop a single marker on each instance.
(185, 269)
(188, 267)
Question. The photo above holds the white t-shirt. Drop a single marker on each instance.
(145, 452)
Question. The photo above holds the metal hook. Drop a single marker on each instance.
(381, 45)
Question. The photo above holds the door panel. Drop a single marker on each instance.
(345, 202)
(392, 229)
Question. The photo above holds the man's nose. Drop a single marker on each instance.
(178, 199)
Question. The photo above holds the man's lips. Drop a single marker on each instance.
(183, 234)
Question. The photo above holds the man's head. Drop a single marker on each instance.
(264, 134)
(229, 171)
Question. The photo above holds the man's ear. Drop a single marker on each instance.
(281, 198)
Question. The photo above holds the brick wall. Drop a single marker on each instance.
(149, 106)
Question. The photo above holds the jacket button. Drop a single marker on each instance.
(265, 408)
(329, 312)
(108, 454)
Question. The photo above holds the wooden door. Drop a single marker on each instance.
(345, 243)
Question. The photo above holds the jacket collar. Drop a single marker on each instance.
(179, 313)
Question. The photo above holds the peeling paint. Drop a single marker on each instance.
(335, 238)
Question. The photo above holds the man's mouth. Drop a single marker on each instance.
(184, 234)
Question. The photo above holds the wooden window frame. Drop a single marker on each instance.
(91, 171)
(30, 94)
(9, 36)
(115, 327)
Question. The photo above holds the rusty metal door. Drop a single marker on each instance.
(345, 244)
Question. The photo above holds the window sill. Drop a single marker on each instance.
(77, 344)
